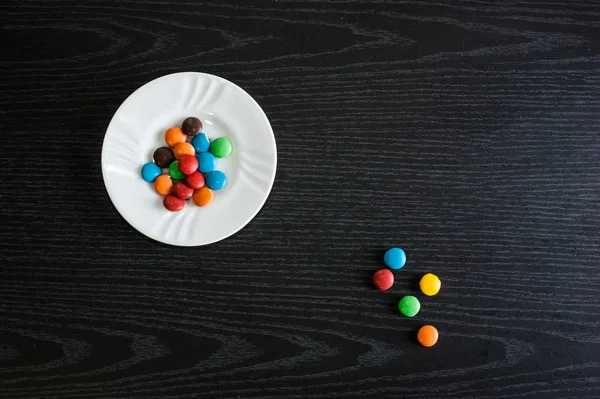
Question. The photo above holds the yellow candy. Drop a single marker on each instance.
(430, 284)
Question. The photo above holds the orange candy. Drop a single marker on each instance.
(184, 149)
(163, 184)
(203, 196)
(174, 136)
(428, 336)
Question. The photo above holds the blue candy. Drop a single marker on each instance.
(215, 180)
(201, 143)
(206, 162)
(150, 172)
(394, 258)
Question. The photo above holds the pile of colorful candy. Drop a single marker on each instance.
(191, 166)
(409, 306)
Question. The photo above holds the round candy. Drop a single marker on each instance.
(150, 172)
(383, 279)
(182, 191)
(188, 164)
(195, 180)
(201, 143)
(221, 147)
(428, 336)
(174, 171)
(215, 180)
(174, 136)
(394, 258)
(203, 196)
(191, 126)
(163, 157)
(163, 185)
(430, 284)
(173, 203)
(206, 162)
(182, 149)
(409, 306)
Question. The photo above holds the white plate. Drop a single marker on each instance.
(138, 128)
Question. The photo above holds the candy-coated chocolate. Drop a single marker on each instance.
(215, 180)
(163, 157)
(430, 284)
(182, 149)
(409, 306)
(195, 180)
(163, 184)
(181, 190)
(206, 162)
(150, 172)
(221, 147)
(174, 136)
(174, 171)
(191, 126)
(394, 258)
(173, 203)
(383, 279)
(201, 143)
(188, 164)
(203, 196)
(428, 336)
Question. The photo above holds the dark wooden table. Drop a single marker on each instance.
(466, 132)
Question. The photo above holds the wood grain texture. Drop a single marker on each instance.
(466, 132)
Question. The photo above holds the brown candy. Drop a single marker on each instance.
(163, 157)
(191, 126)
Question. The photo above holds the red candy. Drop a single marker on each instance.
(188, 164)
(195, 180)
(173, 203)
(184, 180)
(182, 191)
(383, 279)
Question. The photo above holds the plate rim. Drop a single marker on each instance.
(252, 214)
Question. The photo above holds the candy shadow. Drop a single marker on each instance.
(374, 262)
(367, 279)
(393, 306)
(411, 335)
(414, 280)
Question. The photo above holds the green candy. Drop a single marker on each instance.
(174, 171)
(409, 306)
(221, 147)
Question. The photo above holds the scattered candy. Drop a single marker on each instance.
(191, 172)
(174, 171)
(394, 258)
(215, 180)
(191, 126)
(221, 147)
(195, 180)
(163, 185)
(409, 306)
(188, 164)
(173, 203)
(428, 336)
(383, 279)
(430, 284)
(174, 136)
(201, 143)
(203, 196)
(163, 157)
(150, 172)
(182, 191)
(182, 149)
(206, 162)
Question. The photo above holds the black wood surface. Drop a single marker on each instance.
(467, 132)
